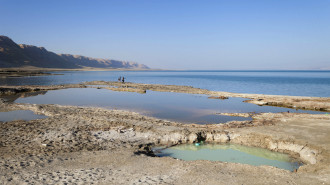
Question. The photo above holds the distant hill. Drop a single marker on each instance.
(100, 63)
(21, 55)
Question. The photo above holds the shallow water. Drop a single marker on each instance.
(188, 108)
(26, 115)
(230, 153)
(296, 83)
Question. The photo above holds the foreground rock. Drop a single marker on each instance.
(78, 145)
(92, 145)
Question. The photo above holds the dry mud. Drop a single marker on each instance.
(84, 145)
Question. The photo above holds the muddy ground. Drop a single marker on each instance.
(84, 145)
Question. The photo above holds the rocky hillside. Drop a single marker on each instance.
(21, 55)
(100, 63)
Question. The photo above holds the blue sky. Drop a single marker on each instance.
(178, 34)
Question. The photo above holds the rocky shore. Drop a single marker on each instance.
(84, 145)
(4, 73)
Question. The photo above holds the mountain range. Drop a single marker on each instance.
(22, 55)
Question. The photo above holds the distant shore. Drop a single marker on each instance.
(37, 69)
(32, 71)
(75, 69)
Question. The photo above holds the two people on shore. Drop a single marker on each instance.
(121, 79)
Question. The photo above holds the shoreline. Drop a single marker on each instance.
(296, 102)
(37, 69)
(85, 144)
(32, 68)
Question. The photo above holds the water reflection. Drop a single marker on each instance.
(188, 108)
(12, 98)
(26, 115)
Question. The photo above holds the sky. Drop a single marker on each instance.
(178, 34)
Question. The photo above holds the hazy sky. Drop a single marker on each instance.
(178, 34)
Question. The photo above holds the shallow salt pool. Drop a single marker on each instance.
(229, 153)
(186, 108)
(26, 115)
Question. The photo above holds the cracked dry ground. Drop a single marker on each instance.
(76, 145)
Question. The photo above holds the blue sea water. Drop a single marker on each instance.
(295, 83)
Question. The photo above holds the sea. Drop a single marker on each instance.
(293, 83)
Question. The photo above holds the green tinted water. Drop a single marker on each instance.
(230, 153)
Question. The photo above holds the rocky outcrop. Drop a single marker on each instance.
(14, 55)
(40, 57)
(101, 63)
(22, 55)
(11, 54)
